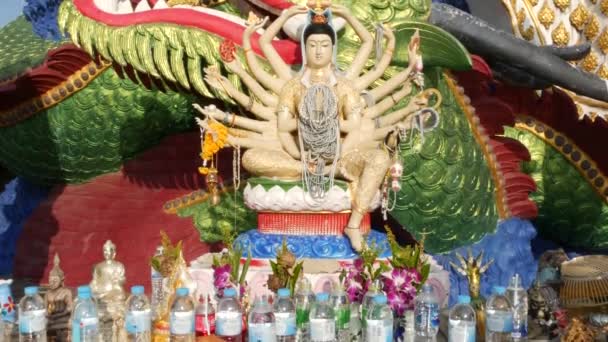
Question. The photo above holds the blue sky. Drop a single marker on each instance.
(9, 10)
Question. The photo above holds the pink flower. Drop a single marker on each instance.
(400, 287)
(221, 277)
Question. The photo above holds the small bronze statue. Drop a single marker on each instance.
(58, 303)
(107, 288)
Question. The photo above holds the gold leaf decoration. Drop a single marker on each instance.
(560, 36)
(604, 7)
(533, 2)
(602, 41)
(603, 71)
(590, 62)
(593, 28)
(526, 33)
(546, 15)
(562, 4)
(579, 17)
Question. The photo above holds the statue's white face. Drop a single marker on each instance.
(319, 50)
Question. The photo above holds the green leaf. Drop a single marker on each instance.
(245, 268)
(438, 47)
(424, 273)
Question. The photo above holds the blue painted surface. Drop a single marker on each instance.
(17, 202)
(321, 247)
(43, 16)
(510, 247)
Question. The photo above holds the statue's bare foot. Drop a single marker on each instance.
(355, 237)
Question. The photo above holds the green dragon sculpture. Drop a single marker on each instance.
(145, 69)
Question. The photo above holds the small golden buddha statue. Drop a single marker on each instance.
(107, 288)
(58, 302)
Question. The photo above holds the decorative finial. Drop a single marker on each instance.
(109, 245)
(56, 270)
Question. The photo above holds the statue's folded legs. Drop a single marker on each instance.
(366, 170)
(272, 163)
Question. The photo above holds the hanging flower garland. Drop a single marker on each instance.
(213, 139)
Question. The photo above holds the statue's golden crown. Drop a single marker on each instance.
(318, 11)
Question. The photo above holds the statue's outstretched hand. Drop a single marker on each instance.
(256, 26)
(214, 78)
(293, 10)
(339, 10)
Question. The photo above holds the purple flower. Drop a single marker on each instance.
(400, 287)
(221, 277)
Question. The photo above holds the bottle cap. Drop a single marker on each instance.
(31, 290)
(380, 299)
(515, 282)
(464, 299)
(182, 292)
(84, 292)
(230, 292)
(283, 293)
(323, 296)
(137, 290)
(500, 290)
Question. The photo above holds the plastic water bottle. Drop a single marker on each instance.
(32, 317)
(139, 316)
(205, 317)
(499, 317)
(355, 322)
(304, 300)
(229, 317)
(156, 279)
(182, 316)
(85, 321)
(322, 320)
(368, 299)
(379, 326)
(261, 325)
(285, 317)
(518, 297)
(426, 313)
(341, 305)
(462, 321)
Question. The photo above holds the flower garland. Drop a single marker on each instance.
(213, 139)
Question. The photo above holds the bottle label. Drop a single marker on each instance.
(261, 332)
(285, 323)
(460, 331)
(302, 317)
(32, 321)
(322, 329)
(427, 316)
(138, 322)
(228, 323)
(499, 322)
(84, 327)
(182, 323)
(342, 318)
(205, 324)
(376, 330)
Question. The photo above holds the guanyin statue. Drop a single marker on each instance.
(320, 123)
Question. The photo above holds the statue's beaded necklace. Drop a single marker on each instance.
(319, 137)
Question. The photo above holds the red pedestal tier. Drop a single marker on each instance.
(307, 223)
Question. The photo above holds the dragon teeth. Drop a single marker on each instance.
(161, 4)
(125, 7)
(142, 6)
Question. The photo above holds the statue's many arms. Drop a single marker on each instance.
(316, 123)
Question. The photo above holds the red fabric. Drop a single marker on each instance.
(288, 49)
(125, 207)
(307, 223)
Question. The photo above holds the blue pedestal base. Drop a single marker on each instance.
(265, 246)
